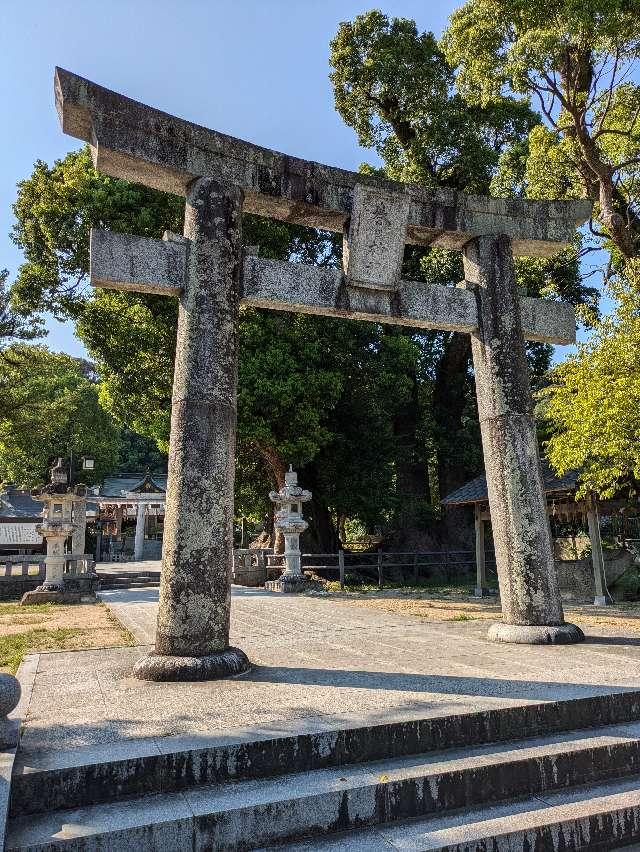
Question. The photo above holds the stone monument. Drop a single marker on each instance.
(221, 177)
(288, 519)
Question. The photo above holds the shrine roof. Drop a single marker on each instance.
(127, 483)
(475, 491)
(17, 503)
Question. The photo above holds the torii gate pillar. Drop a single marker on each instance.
(529, 594)
(195, 596)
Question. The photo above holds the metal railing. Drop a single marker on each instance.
(414, 566)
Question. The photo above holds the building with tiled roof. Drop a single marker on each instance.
(19, 514)
(563, 506)
(475, 491)
(122, 498)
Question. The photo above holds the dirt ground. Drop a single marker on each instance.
(460, 607)
(56, 627)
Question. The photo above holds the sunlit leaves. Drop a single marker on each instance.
(49, 407)
(593, 403)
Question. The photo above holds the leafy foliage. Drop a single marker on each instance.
(592, 406)
(49, 407)
(576, 60)
(394, 86)
(56, 208)
(14, 326)
(138, 454)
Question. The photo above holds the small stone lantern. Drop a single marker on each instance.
(288, 519)
(56, 527)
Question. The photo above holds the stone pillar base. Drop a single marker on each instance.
(483, 592)
(293, 584)
(162, 667)
(41, 596)
(252, 577)
(77, 589)
(603, 600)
(536, 634)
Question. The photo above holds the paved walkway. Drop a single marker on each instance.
(318, 665)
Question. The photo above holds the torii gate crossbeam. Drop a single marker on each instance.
(211, 274)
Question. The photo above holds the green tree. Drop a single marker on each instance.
(576, 60)
(592, 406)
(56, 208)
(14, 326)
(138, 454)
(293, 369)
(395, 87)
(51, 408)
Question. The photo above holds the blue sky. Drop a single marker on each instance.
(256, 69)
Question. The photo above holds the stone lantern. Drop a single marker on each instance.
(61, 503)
(288, 519)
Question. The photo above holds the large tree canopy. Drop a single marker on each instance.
(393, 85)
(576, 61)
(295, 372)
(50, 407)
(396, 88)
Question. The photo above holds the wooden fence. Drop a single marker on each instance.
(378, 565)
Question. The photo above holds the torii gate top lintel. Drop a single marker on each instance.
(133, 141)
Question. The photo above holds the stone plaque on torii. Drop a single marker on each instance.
(221, 177)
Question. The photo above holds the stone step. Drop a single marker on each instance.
(45, 781)
(606, 816)
(127, 582)
(129, 576)
(260, 812)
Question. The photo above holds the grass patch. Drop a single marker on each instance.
(32, 609)
(56, 627)
(462, 616)
(14, 647)
(435, 585)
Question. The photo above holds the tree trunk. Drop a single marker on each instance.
(321, 535)
(615, 214)
(449, 402)
(277, 469)
(410, 464)
(342, 519)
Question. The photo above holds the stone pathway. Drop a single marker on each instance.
(318, 665)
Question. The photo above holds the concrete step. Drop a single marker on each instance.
(599, 817)
(101, 774)
(259, 812)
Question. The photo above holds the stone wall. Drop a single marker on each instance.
(575, 576)
(13, 588)
(249, 567)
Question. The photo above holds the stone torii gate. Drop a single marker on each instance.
(221, 177)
